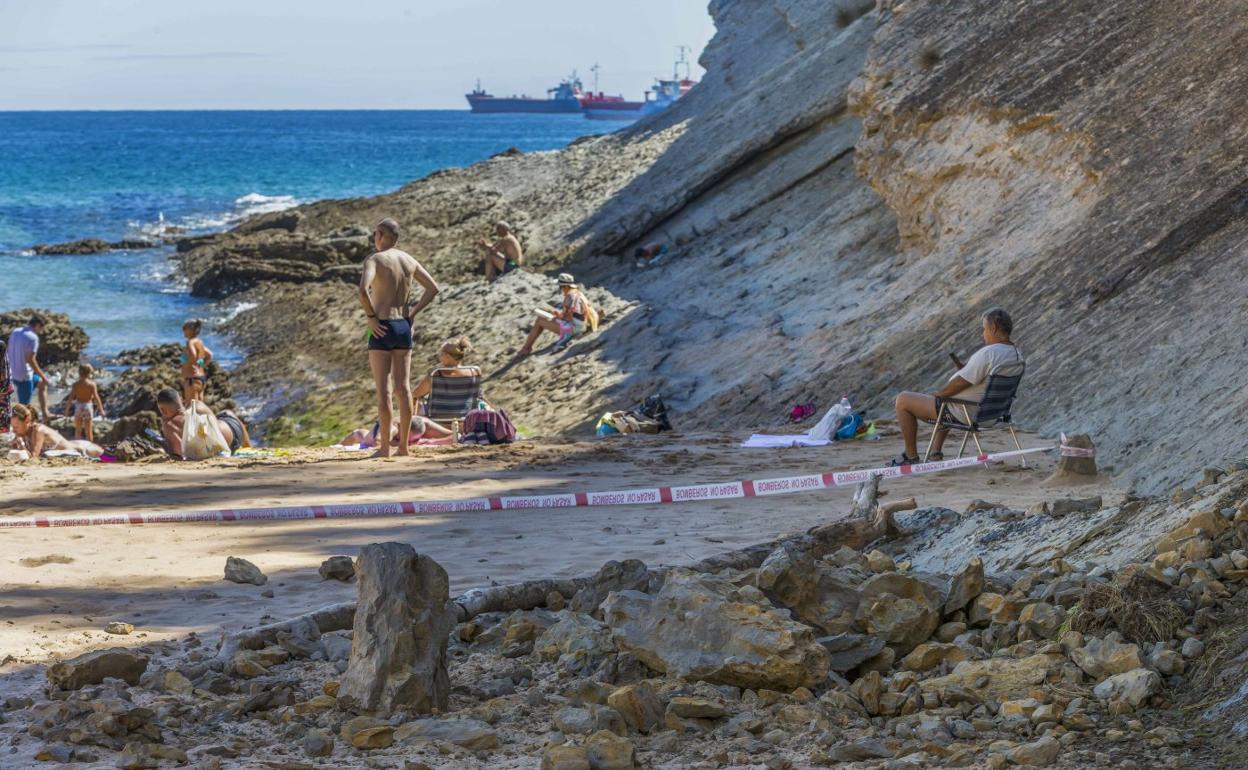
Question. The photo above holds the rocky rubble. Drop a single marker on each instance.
(61, 342)
(1065, 665)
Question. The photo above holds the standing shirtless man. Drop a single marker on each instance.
(384, 291)
(503, 255)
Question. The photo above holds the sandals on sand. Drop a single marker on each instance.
(901, 459)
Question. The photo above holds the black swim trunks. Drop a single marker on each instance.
(398, 336)
(236, 427)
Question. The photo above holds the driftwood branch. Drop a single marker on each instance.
(520, 596)
(865, 498)
(335, 617)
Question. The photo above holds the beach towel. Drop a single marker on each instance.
(761, 440)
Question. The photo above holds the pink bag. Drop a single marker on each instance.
(488, 426)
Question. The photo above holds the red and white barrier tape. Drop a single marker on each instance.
(655, 495)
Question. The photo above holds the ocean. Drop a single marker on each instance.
(113, 175)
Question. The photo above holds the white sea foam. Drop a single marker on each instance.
(256, 203)
(244, 206)
(229, 313)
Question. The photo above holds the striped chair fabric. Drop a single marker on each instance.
(450, 398)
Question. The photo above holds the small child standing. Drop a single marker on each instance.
(85, 397)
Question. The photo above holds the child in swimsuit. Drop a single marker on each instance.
(84, 397)
(195, 356)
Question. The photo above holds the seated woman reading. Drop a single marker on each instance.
(567, 321)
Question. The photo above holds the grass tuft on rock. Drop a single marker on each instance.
(849, 13)
(1140, 619)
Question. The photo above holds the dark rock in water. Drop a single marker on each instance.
(232, 273)
(278, 220)
(61, 341)
(402, 627)
(92, 246)
(157, 367)
(510, 152)
(95, 667)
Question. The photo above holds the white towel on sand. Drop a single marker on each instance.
(800, 439)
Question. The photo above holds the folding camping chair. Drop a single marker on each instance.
(991, 411)
(450, 398)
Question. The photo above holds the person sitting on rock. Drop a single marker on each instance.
(37, 438)
(194, 358)
(567, 321)
(968, 384)
(503, 255)
(173, 418)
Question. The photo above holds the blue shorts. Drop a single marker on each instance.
(26, 389)
(398, 336)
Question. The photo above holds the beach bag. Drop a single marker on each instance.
(201, 438)
(492, 425)
(850, 425)
(654, 408)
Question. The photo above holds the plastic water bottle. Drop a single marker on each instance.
(845, 403)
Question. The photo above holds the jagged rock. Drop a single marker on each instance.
(817, 594)
(119, 628)
(990, 607)
(849, 651)
(965, 586)
(1038, 753)
(174, 682)
(317, 743)
(91, 246)
(1042, 619)
(695, 707)
(577, 642)
(337, 568)
(278, 220)
(904, 609)
(639, 705)
(575, 721)
(61, 341)
(472, 734)
(999, 678)
(728, 634)
(628, 575)
(1100, 658)
(878, 561)
(1134, 687)
(860, 750)
(95, 667)
(402, 628)
(1193, 648)
(608, 751)
(929, 655)
(242, 571)
(565, 757)
(1067, 506)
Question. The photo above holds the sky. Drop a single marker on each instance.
(330, 54)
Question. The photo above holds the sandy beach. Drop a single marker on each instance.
(61, 586)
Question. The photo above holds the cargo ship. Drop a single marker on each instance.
(565, 97)
(660, 96)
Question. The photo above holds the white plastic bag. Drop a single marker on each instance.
(201, 438)
(826, 429)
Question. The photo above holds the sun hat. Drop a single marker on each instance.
(566, 279)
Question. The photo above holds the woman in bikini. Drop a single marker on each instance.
(37, 439)
(194, 358)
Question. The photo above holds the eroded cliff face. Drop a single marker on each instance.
(845, 193)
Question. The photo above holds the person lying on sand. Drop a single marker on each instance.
(384, 290)
(421, 428)
(968, 383)
(503, 255)
(37, 438)
(84, 397)
(194, 358)
(567, 321)
(173, 418)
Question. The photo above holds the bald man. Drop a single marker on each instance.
(384, 291)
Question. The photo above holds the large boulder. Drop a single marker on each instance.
(61, 341)
(903, 608)
(1134, 686)
(95, 667)
(577, 642)
(627, 575)
(965, 586)
(403, 622)
(996, 678)
(1100, 658)
(818, 595)
(700, 627)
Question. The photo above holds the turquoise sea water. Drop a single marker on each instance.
(71, 175)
